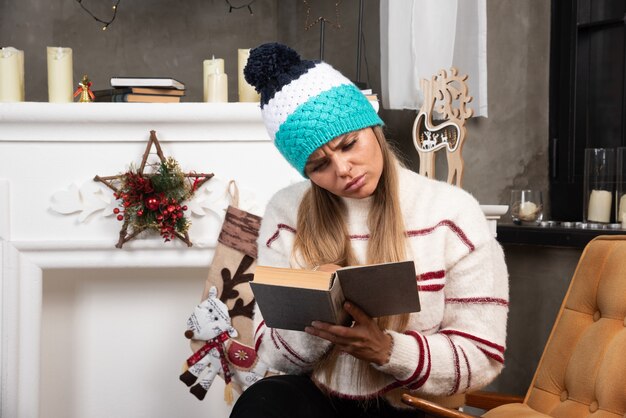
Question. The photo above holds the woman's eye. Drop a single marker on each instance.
(320, 166)
(349, 145)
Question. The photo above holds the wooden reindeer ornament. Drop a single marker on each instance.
(430, 136)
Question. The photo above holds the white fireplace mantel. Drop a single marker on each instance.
(52, 151)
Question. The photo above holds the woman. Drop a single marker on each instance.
(361, 207)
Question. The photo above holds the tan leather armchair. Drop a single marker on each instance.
(582, 371)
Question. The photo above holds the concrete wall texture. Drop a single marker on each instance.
(504, 151)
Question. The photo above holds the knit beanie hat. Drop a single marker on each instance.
(304, 103)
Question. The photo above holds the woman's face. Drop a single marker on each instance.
(349, 165)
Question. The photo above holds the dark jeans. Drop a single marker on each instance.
(290, 396)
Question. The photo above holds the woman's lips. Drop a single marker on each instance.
(355, 184)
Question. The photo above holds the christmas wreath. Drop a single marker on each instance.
(154, 200)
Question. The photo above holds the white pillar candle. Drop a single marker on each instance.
(210, 67)
(528, 211)
(60, 77)
(217, 90)
(11, 75)
(599, 206)
(246, 91)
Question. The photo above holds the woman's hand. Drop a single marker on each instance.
(364, 340)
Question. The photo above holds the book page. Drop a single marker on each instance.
(306, 279)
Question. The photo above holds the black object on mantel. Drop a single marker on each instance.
(555, 236)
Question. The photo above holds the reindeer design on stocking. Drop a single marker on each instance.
(429, 137)
(220, 354)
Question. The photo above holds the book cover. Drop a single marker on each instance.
(163, 82)
(139, 90)
(138, 98)
(292, 298)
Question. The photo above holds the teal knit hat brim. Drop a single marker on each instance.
(332, 113)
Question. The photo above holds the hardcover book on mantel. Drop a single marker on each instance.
(292, 298)
(159, 82)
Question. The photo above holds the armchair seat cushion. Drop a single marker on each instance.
(514, 410)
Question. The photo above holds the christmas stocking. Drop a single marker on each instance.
(230, 271)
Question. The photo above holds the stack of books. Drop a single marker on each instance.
(142, 90)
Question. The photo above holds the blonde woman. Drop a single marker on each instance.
(360, 206)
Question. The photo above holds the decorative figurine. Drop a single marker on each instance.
(84, 90)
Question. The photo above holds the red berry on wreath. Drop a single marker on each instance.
(120, 217)
(185, 207)
(116, 210)
(140, 212)
(152, 203)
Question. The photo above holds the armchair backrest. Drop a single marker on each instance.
(583, 367)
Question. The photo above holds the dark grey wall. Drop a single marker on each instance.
(172, 38)
(168, 38)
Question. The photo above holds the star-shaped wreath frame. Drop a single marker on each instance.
(161, 209)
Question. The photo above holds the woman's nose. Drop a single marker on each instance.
(343, 166)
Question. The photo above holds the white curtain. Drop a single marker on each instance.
(420, 37)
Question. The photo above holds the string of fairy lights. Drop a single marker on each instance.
(107, 23)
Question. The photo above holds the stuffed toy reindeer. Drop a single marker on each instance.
(210, 322)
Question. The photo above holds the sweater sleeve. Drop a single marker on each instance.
(292, 352)
(467, 351)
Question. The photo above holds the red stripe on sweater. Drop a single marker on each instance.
(277, 233)
(420, 363)
(411, 233)
(261, 324)
(258, 343)
(469, 369)
(474, 338)
(289, 349)
(431, 275)
(364, 237)
(274, 339)
(480, 300)
(450, 224)
(489, 354)
(431, 287)
(457, 368)
(426, 375)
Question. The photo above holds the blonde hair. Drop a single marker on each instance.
(322, 237)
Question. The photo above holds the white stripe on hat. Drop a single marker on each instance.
(318, 79)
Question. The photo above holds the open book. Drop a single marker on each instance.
(292, 298)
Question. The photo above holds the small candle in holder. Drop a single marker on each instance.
(60, 78)
(212, 66)
(217, 87)
(11, 75)
(526, 206)
(599, 206)
(528, 211)
(247, 93)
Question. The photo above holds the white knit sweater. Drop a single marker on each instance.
(456, 343)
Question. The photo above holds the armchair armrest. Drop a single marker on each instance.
(479, 399)
(489, 400)
(432, 408)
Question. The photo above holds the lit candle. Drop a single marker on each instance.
(599, 206)
(246, 91)
(60, 77)
(212, 66)
(621, 213)
(11, 75)
(217, 87)
(528, 211)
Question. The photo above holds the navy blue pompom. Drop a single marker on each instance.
(271, 66)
